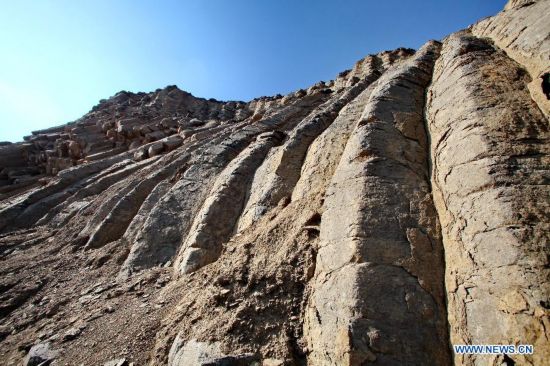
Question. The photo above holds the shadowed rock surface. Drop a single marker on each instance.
(378, 218)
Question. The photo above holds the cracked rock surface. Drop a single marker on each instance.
(378, 218)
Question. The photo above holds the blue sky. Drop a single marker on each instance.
(59, 58)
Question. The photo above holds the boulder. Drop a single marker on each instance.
(40, 354)
(172, 142)
(141, 154)
(155, 149)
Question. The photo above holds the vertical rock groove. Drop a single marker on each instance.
(378, 288)
(216, 220)
(90, 187)
(168, 224)
(490, 148)
(38, 201)
(281, 171)
(120, 216)
(378, 218)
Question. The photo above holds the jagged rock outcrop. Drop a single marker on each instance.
(378, 218)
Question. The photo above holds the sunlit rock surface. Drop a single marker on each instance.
(378, 218)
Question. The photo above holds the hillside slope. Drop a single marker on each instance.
(378, 218)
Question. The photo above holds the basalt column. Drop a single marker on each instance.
(490, 147)
(378, 288)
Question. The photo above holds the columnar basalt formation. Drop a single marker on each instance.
(490, 150)
(378, 218)
(378, 290)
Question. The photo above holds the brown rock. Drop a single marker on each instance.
(377, 218)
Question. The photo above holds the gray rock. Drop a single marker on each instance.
(141, 154)
(117, 362)
(40, 355)
(71, 334)
(155, 149)
(172, 142)
(195, 122)
(195, 353)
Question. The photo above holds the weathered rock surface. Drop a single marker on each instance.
(378, 291)
(490, 148)
(40, 354)
(378, 218)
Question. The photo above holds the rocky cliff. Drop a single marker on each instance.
(378, 218)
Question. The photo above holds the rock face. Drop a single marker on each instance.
(489, 180)
(378, 218)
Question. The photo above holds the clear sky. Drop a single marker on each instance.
(59, 58)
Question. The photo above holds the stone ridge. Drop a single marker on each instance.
(378, 218)
(132, 122)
